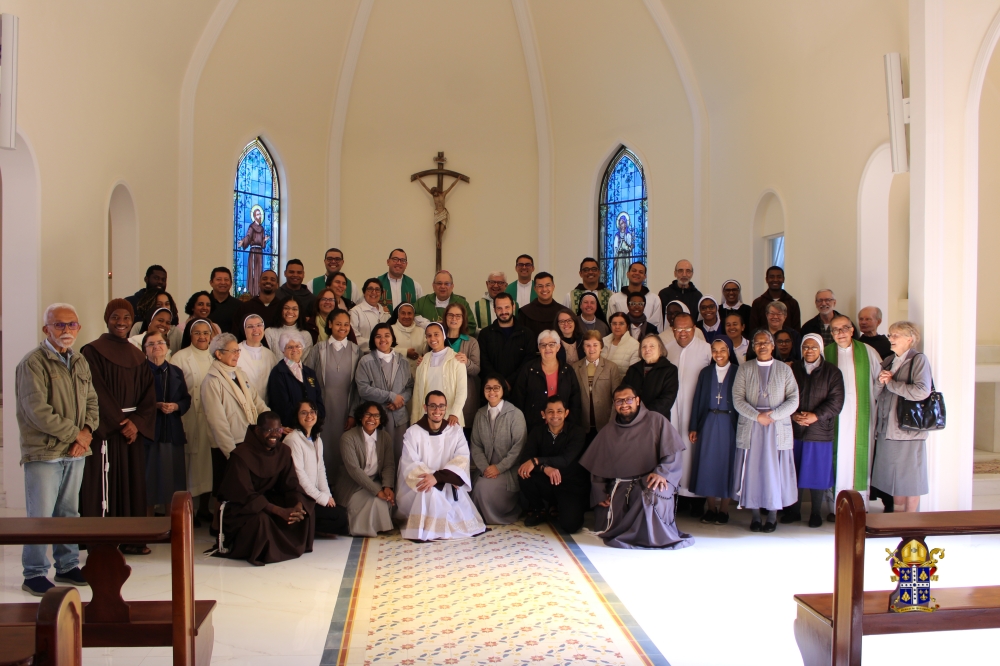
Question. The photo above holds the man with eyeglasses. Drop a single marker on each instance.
(654, 309)
(432, 491)
(854, 439)
(496, 283)
(397, 287)
(57, 414)
(369, 313)
(333, 261)
(266, 516)
(590, 276)
(826, 301)
(690, 354)
(523, 289)
(636, 463)
(431, 306)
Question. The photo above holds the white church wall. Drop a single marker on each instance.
(988, 315)
(898, 250)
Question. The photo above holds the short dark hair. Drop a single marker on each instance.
(635, 294)
(732, 313)
(330, 278)
(775, 268)
(588, 260)
(498, 378)
(502, 294)
(293, 261)
(625, 387)
(683, 314)
(398, 249)
(333, 249)
(637, 262)
(617, 314)
(189, 308)
(269, 270)
(264, 417)
(369, 281)
(379, 327)
(363, 407)
(553, 399)
(316, 429)
(525, 256)
(220, 269)
(542, 276)
(152, 269)
(433, 393)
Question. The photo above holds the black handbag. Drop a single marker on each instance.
(920, 415)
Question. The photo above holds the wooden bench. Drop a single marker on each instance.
(828, 627)
(108, 620)
(56, 638)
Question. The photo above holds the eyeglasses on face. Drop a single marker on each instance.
(65, 325)
(842, 329)
(525, 264)
(825, 300)
(492, 389)
(155, 343)
(307, 412)
(436, 408)
(398, 260)
(442, 284)
(496, 283)
(230, 351)
(373, 290)
(590, 269)
(328, 300)
(762, 343)
(624, 401)
(372, 416)
(454, 315)
(548, 345)
(684, 330)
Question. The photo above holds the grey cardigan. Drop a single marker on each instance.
(317, 358)
(352, 476)
(506, 434)
(919, 389)
(783, 398)
(371, 384)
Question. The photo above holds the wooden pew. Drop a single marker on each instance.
(56, 638)
(108, 620)
(828, 627)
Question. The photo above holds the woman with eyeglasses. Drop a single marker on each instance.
(307, 457)
(160, 320)
(498, 435)
(256, 360)
(369, 312)
(440, 370)
(466, 348)
(114, 478)
(339, 283)
(766, 395)
(383, 376)
(231, 404)
(544, 377)
(654, 378)
(288, 318)
(570, 332)
(165, 468)
(620, 347)
(366, 480)
(291, 383)
(317, 324)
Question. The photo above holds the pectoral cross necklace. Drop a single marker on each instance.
(718, 398)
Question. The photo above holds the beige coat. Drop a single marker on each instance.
(624, 355)
(606, 380)
(195, 364)
(456, 381)
(229, 410)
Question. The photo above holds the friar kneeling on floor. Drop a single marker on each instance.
(266, 517)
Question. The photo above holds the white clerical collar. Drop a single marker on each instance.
(338, 344)
(721, 370)
(393, 280)
(765, 364)
(844, 350)
(711, 329)
(440, 303)
(383, 356)
(493, 411)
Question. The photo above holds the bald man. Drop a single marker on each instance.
(681, 289)
(431, 306)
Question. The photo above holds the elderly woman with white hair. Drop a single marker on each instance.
(900, 466)
(291, 383)
(256, 360)
(544, 377)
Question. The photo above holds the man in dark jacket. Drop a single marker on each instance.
(505, 345)
(775, 278)
(550, 475)
(826, 301)
(821, 398)
(681, 289)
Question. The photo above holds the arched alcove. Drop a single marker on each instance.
(768, 223)
(22, 271)
(873, 231)
(123, 243)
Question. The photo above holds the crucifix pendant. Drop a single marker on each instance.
(718, 398)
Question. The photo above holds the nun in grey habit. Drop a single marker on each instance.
(498, 434)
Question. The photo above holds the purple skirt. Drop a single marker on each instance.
(814, 464)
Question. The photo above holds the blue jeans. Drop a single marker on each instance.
(52, 490)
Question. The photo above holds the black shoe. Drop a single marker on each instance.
(722, 518)
(709, 517)
(755, 526)
(74, 577)
(533, 519)
(769, 527)
(787, 518)
(815, 520)
(831, 518)
(37, 586)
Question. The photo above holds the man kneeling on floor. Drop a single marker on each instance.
(552, 481)
(433, 486)
(266, 517)
(637, 459)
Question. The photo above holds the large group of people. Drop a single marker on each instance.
(358, 406)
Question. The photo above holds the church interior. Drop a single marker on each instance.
(763, 137)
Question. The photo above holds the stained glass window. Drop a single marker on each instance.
(621, 218)
(777, 251)
(256, 218)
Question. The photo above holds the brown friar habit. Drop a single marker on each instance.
(123, 381)
(621, 456)
(256, 477)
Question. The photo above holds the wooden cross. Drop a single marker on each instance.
(439, 194)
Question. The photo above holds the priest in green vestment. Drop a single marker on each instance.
(334, 262)
(397, 287)
(431, 307)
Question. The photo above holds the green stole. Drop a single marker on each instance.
(484, 312)
(863, 387)
(407, 292)
(512, 290)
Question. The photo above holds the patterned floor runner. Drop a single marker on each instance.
(514, 595)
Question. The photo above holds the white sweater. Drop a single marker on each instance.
(309, 467)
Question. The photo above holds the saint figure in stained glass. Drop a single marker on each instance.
(256, 218)
(621, 218)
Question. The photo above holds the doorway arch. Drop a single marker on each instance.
(123, 242)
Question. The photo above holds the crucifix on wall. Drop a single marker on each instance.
(438, 195)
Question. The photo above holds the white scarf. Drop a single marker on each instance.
(339, 344)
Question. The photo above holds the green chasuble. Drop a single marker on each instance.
(512, 290)
(862, 430)
(426, 307)
(319, 284)
(408, 291)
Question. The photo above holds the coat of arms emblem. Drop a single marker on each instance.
(914, 567)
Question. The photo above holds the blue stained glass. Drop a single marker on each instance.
(255, 199)
(621, 215)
